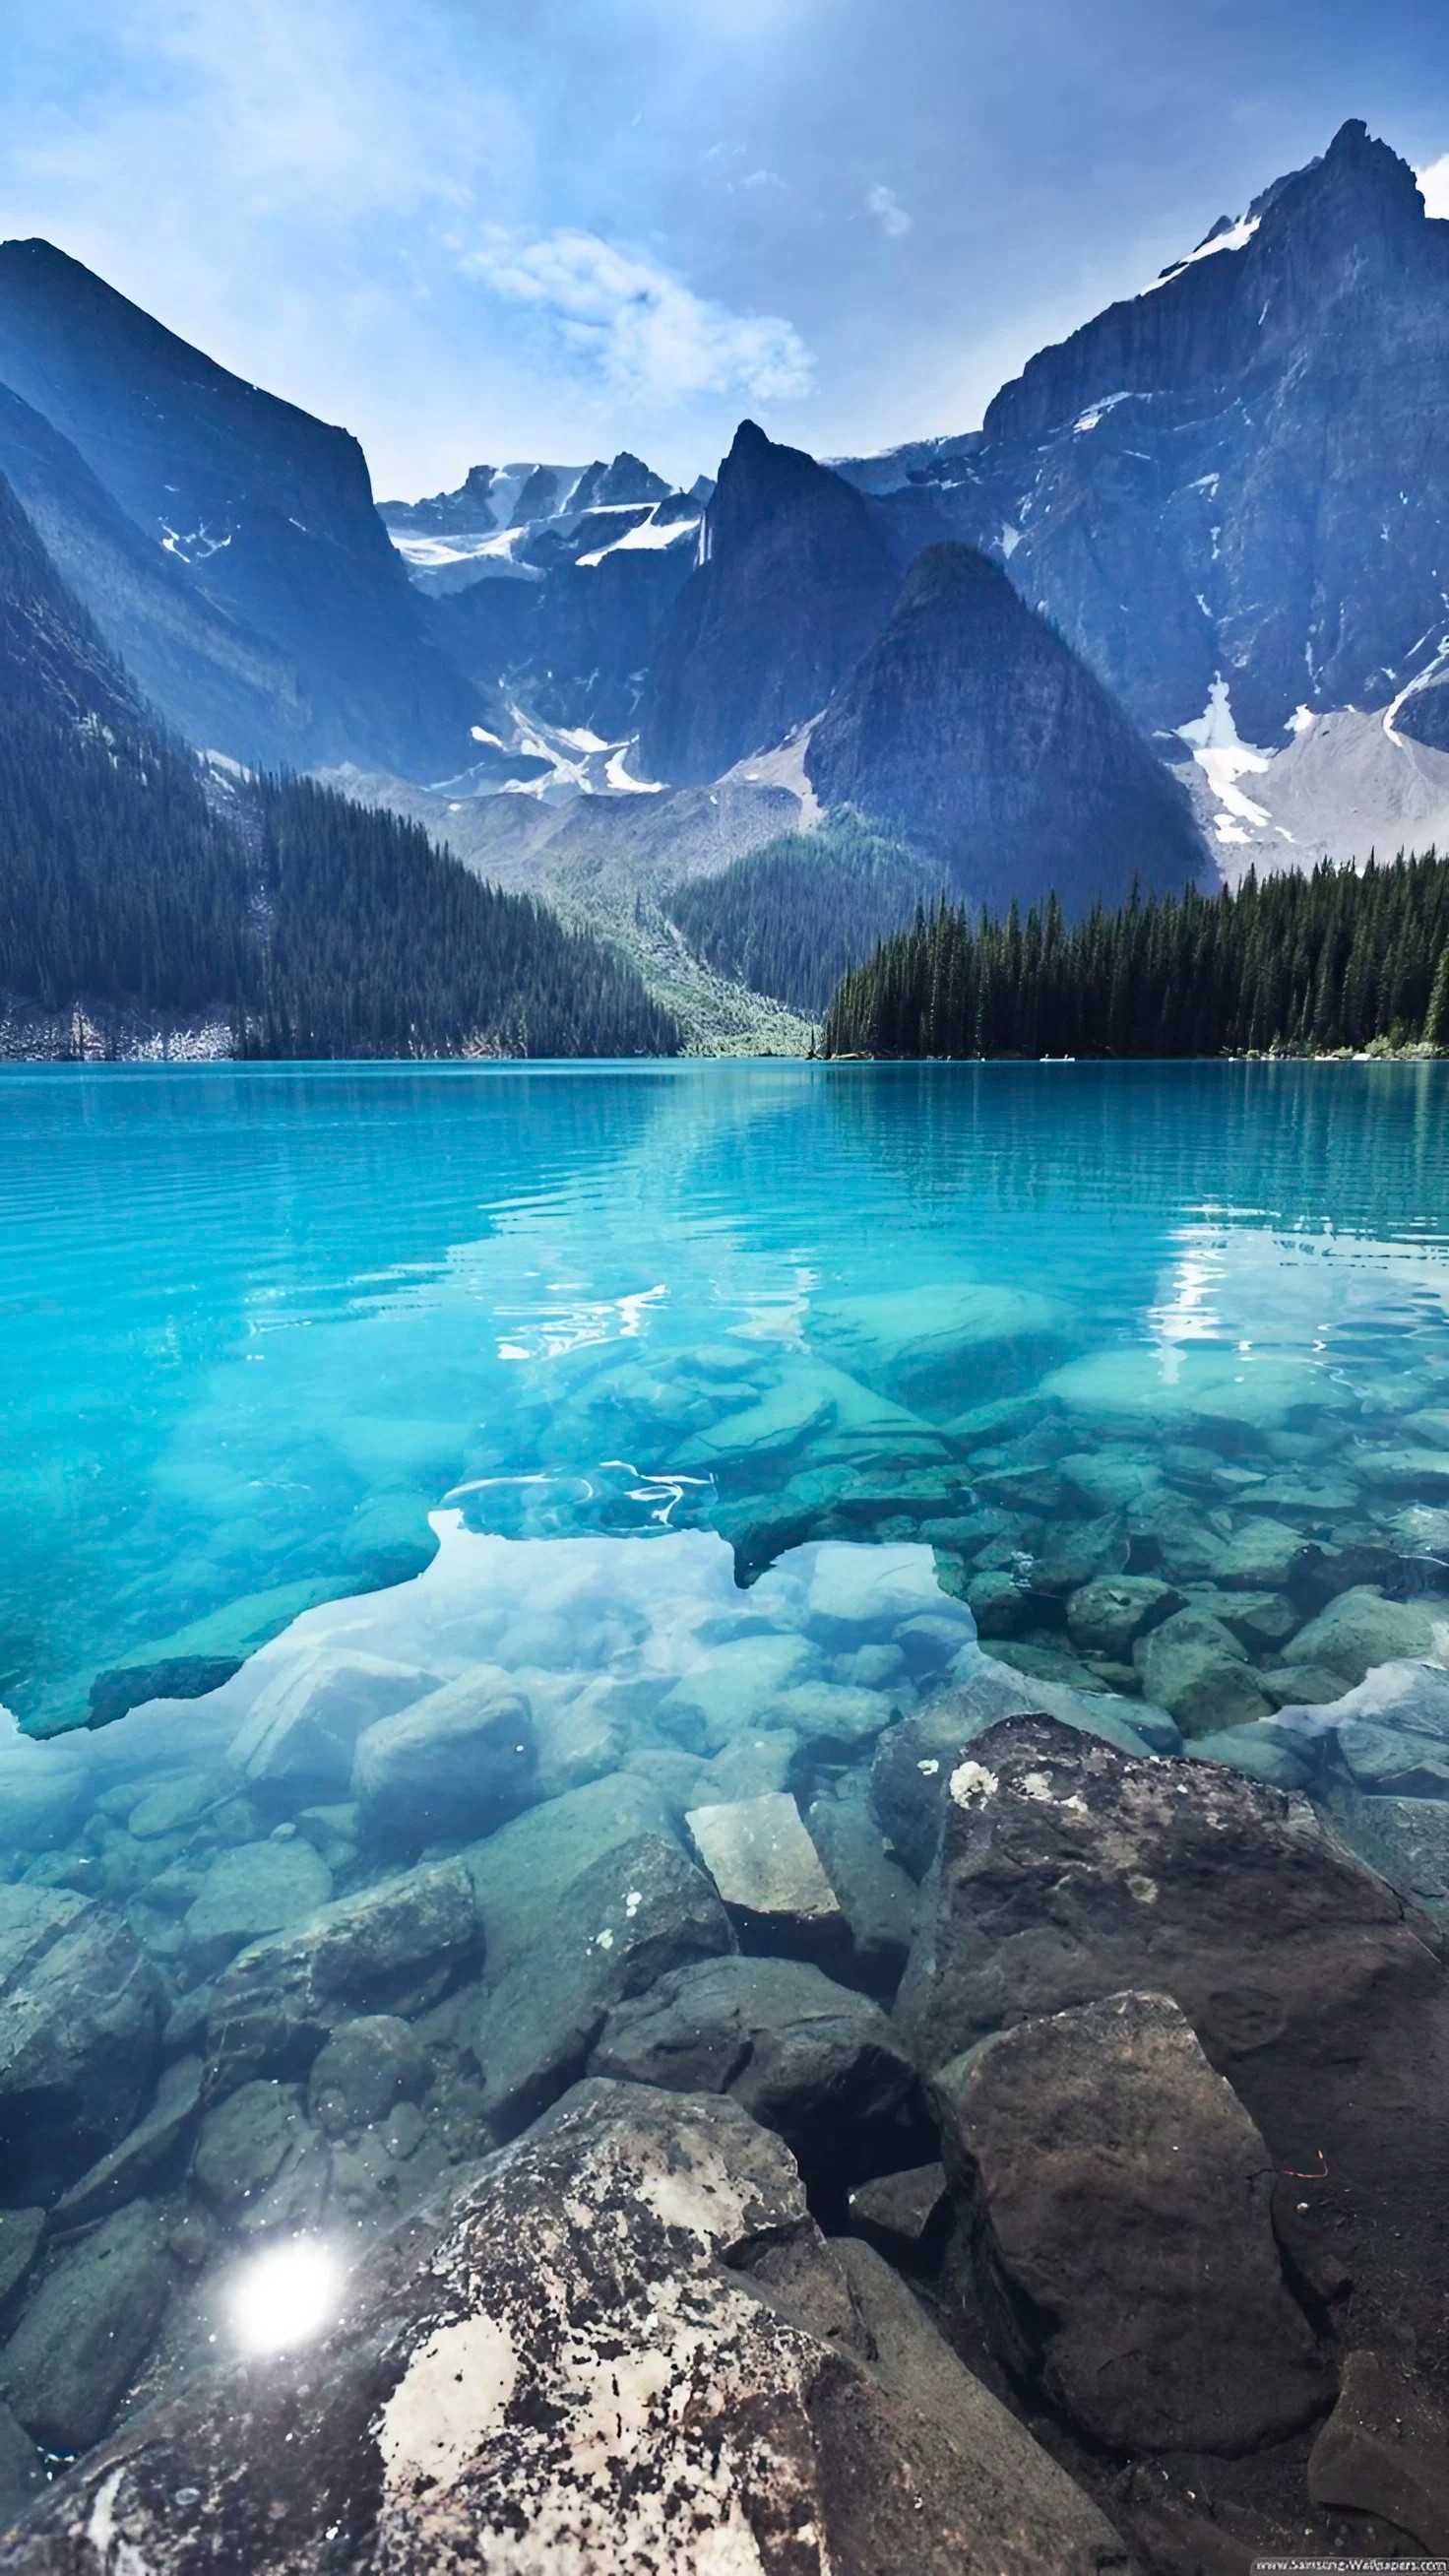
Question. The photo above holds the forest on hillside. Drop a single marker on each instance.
(1307, 964)
(315, 927)
(789, 919)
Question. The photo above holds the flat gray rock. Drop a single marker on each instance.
(125, 2171)
(766, 1868)
(256, 1888)
(636, 1913)
(395, 1947)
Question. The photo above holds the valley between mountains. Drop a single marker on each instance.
(1177, 610)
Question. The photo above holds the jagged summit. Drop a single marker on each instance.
(795, 578)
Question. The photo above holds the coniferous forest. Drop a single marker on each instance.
(1307, 964)
(317, 927)
(791, 917)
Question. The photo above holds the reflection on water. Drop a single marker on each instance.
(260, 1321)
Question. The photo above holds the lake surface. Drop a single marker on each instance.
(258, 1323)
(523, 1536)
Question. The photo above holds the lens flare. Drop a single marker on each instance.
(285, 2296)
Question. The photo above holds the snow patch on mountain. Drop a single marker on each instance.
(1224, 758)
(1224, 236)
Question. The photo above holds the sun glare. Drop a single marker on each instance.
(284, 2296)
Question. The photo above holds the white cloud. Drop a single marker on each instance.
(1434, 185)
(640, 329)
(888, 211)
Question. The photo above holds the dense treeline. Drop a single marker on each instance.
(315, 927)
(791, 917)
(376, 944)
(1304, 963)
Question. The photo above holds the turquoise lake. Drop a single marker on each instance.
(258, 1323)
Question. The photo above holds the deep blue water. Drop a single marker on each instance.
(258, 1322)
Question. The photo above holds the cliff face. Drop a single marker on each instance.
(797, 576)
(971, 727)
(1242, 472)
(264, 512)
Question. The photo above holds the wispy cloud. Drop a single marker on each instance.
(638, 328)
(1434, 185)
(888, 211)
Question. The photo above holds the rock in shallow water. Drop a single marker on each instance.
(461, 1761)
(1120, 2199)
(85, 2329)
(1385, 2451)
(769, 1874)
(1068, 1872)
(397, 1946)
(79, 2022)
(574, 2369)
(802, 2055)
(637, 1912)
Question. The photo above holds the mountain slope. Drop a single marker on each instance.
(789, 919)
(971, 728)
(795, 578)
(267, 512)
(220, 684)
(308, 926)
(1240, 473)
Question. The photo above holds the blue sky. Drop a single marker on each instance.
(486, 229)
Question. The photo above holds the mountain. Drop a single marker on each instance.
(791, 918)
(795, 577)
(970, 727)
(273, 918)
(219, 682)
(1231, 493)
(266, 513)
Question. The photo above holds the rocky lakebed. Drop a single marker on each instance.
(900, 2027)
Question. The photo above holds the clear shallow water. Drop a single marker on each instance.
(577, 1458)
(258, 1322)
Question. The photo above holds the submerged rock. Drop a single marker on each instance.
(459, 1762)
(578, 2347)
(258, 1887)
(769, 1874)
(811, 2059)
(1405, 1839)
(900, 2212)
(79, 2024)
(1120, 2200)
(1196, 1667)
(521, 1873)
(128, 2168)
(85, 2330)
(1361, 1629)
(304, 1723)
(627, 1920)
(395, 1947)
(1385, 2451)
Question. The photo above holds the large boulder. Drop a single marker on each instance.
(1120, 2201)
(521, 1873)
(396, 1947)
(572, 2367)
(85, 2330)
(79, 2024)
(805, 2056)
(301, 1730)
(1068, 1871)
(636, 1913)
(457, 1763)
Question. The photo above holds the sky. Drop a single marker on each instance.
(479, 230)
